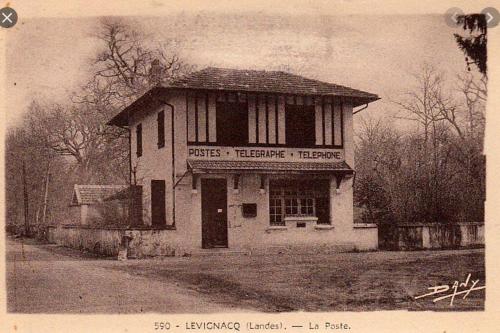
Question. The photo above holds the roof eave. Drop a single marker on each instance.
(122, 118)
(276, 172)
(256, 91)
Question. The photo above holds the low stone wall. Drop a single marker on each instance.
(107, 241)
(431, 236)
(324, 240)
(147, 242)
(36, 231)
(152, 243)
(366, 235)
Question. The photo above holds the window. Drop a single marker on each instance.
(307, 206)
(138, 132)
(291, 206)
(300, 125)
(232, 123)
(161, 129)
(275, 211)
(298, 198)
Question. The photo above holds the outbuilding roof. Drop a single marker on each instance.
(207, 166)
(251, 81)
(91, 194)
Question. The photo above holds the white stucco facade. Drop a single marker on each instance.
(183, 204)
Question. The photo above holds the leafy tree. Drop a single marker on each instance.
(474, 44)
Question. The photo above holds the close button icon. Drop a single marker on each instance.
(8, 17)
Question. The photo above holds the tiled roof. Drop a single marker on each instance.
(200, 166)
(125, 193)
(223, 79)
(89, 194)
(212, 78)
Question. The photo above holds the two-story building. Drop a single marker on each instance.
(246, 159)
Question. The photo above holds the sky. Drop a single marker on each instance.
(49, 58)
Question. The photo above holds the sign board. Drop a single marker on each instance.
(265, 154)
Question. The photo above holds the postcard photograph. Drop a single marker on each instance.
(203, 161)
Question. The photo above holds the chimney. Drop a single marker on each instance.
(155, 72)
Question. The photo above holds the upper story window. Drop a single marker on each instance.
(232, 123)
(247, 119)
(138, 140)
(220, 119)
(300, 125)
(161, 129)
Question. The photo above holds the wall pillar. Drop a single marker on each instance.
(341, 205)
(426, 238)
(84, 214)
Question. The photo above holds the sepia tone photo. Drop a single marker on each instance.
(211, 162)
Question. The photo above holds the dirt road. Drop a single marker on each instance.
(42, 281)
(52, 279)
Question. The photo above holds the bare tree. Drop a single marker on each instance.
(128, 67)
(422, 103)
(72, 137)
(73, 130)
(124, 69)
(473, 91)
(434, 173)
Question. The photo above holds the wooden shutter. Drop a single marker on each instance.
(138, 132)
(161, 129)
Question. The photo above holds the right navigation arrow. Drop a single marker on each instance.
(490, 17)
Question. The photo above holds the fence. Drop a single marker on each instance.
(430, 236)
(144, 242)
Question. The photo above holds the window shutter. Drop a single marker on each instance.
(138, 132)
(161, 129)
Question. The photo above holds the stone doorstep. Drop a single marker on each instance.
(304, 249)
(277, 249)
(266, 250)
(218, 252)
(299, 249)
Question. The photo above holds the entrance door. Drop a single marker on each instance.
(213, 213)
(158, 214)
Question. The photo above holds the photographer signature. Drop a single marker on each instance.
(465, 288)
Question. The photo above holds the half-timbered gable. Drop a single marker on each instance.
(227, 158)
